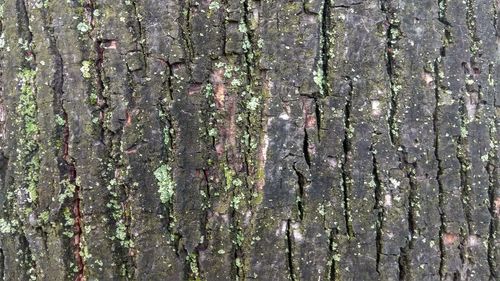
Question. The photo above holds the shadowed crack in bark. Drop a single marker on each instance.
(346, 162)
(392, 36)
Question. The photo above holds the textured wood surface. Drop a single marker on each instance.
(249, 140)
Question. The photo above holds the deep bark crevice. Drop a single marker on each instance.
(393, 34)
(347, 161)
(378, 207)
(289, 244)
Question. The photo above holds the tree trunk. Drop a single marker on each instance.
(249, 140)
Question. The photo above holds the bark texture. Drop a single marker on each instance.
(249, 140)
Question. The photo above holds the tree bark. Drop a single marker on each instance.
(249, 140)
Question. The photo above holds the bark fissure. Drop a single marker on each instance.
(305, 148)
(378, 206)
(393, 34)
(141, 33)
(289, 244)
(405, 258)
(301, 183)
(324, 41)
(185, 31)
(494, 206)
(439, 173)
(334, 255)
(463, 159)
(346, 162)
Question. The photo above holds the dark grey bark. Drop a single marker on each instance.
(249, 140)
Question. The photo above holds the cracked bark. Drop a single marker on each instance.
(249, 140)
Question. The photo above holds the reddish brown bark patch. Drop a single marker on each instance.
(497, 206)
(450, 239)
(219, 87)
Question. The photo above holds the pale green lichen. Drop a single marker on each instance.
(6, 227)
(253, 103)
(82, 27)
(27, 112)
(214, 5)
(68, 191)
(85, 69)
(2, 41)
(165, 182)
(228, 175)
(321, 210)
(44, 216)
(235, 202)
(319, 77)
(237, 182)
(93, 98)
(236, 83)
(212, 132)
(117, 214)
(238, 263)
(209, 90)
(193, 266)
(60, 121)
(42, 4)
(485, 158)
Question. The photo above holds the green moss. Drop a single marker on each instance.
(165, 182)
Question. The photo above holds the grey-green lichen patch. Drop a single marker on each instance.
(69, 221)
(2, 41)
(83, 27)
(85, 69)
(193, 266)
(68, 191)
(228, 175)
(60, 121)
(44, 217)
(253, 103)
(214, 5)
(27, 114)
(319, 76)
(6, 227)
(235, 202)
(42, 4)
(117, 213)
(165, 182)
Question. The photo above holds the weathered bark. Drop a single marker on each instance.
(249, 140)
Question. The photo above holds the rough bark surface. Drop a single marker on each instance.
(249, 140)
